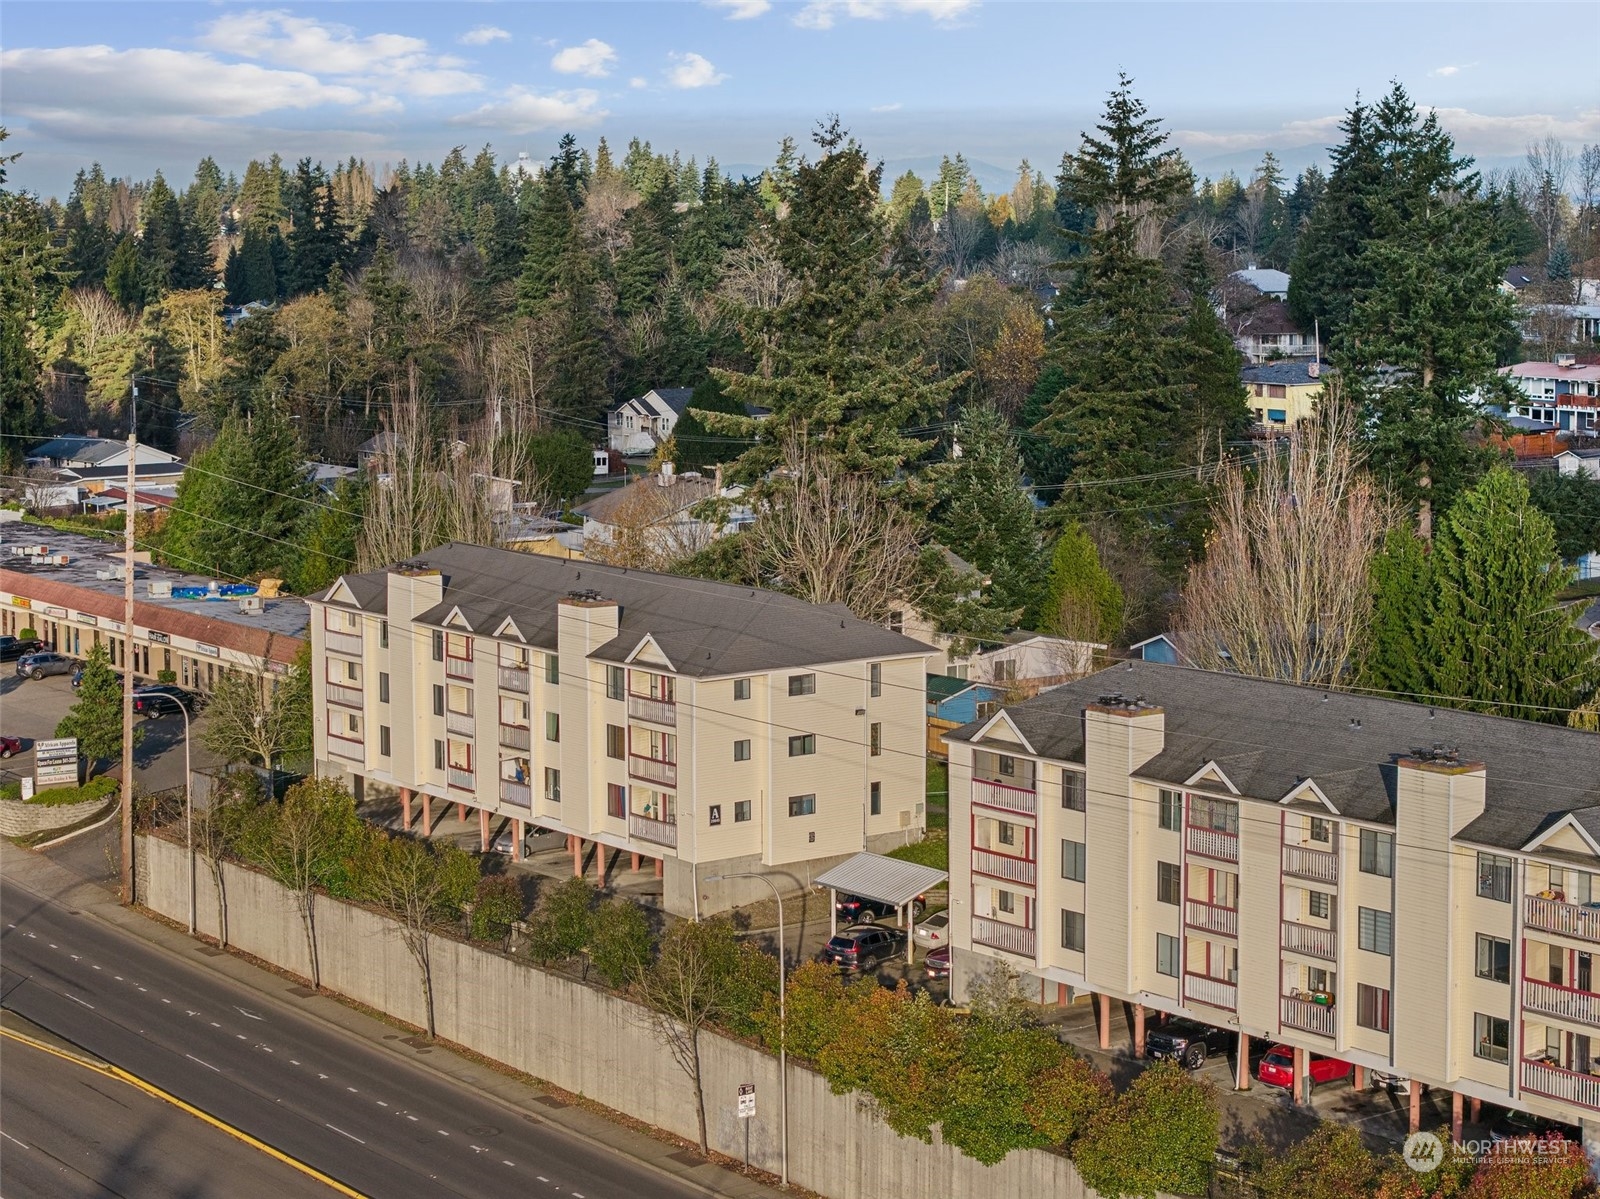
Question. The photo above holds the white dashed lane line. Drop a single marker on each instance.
(85, 1003)
(343, 1133)
(197, 1061)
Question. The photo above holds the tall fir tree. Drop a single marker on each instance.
(95, 718)
(1402, 589)
(328, 539)
(697, 445)
(31, 272)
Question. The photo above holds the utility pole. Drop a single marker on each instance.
(128, 509)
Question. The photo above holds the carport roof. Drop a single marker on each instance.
(887, 880)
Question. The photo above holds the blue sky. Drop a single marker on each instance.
(138, 86)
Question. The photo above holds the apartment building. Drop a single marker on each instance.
(714, 729)
(1410, 889)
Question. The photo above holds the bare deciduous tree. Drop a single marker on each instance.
(1550, 169)
(304, 841)
(217, 826)
(654, 527)
(405, 878)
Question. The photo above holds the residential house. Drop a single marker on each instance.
(1516, 278)
(1163, 648)
(1563, 393)
(326, 477)
(1271, 283)
(1570, 324)
(953, 702)
(1579, 462)
(1266, 333)
(1282, 394)
(639, 425)
(716, 729)
(1415, 890)
(1030, 662)
(97, 453)
(651, 521)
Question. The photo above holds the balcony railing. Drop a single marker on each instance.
(461, 723)
(341, 643)
(513, 792)
(461, 780)
(458, 668)
(343, 747)
(997, 934)
(1318, 865)
(350, 697)
(513, 678)
(1004, 866)
(656, 711)
(1208, 917)
(1551, 1081)
(1214, 843)
(1216, 992)
(665, 773)
(1564, 1003)
(1314, 942)
(1004, 796)
(1568, 919)
(658, 832)
(514, 737)
(1307, 1015)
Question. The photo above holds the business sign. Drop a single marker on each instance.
(55, 762)
(52, 610)
(159, 638)
(747, 1101)
(212, 650)
(85, 618)
(114, 625)
(18, 601)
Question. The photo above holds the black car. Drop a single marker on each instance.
(1187, 1042)
(12, 648)
(37, 665)
(77, 677)
(162, 699)
(852, 910)
(1513, 1125)
(857, 948)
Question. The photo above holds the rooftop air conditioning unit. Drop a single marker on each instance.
(160, 588)
(251, 605)
(58, 559)
(1566, 360)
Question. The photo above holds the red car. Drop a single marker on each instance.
(1277, 1068)
(9, 746)
(937, 962)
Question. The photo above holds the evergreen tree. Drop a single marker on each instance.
(30, 274)
(1402, 588)
(644, 264)
(1572, 502)
(578, 360)
(161, 243)
(328, 542)
(124, 279)
(698, 446)
(1213, 363)
(1081, 600)
(1328, 272)
(551, 234)
(95, 719)
(316, 243)
(908, 189)
(563, 463)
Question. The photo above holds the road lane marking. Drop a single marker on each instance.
(343, 1133)
(410, 1117)
(207, 1065)
(353, 1090)
(7, 1135)
(246, 1012)
(503, 1162)
(75, 999)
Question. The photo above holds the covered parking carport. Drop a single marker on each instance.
(885, 880)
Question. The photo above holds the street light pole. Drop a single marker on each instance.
(783, 1027)
(188, 813)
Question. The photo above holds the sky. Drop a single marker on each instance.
(141, 86)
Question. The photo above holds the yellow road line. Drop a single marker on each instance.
(151, 1089)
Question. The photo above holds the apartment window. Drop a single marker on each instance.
(1492, 1037)
(513, 712)
(802, 684)
(383, 634)
(438, 645)
(741, 688)
(1167, 955)
(1005, 671)
(552, 668)
(802, 805)
(875, 739)
(1072, 791)
(1072, 860)
(1007, 833)
(1372, 1007)
(459, 700)
(1171, 809)
(552, 726)
(1321, 830)
(552, 785)
(875, 679)
(1221, 815)
(616, 682)
(1573, 886)
(438, 699)
(616, 800)
(1169, 882)
(741, 810)
(1377, 853)
(1376, 930)
(1494, 959)
(383, 740)
(438, 755)
(350, 672)
(987, 708)
(1494, 877)
(1318, 904)
(875, 799)
(460, 755)
(383, 686)
(616, 741)
(800, 746)
(1072, 930)
(741, 751)
(1006, 901)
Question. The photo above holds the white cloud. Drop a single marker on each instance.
(521, 110)
(821, 14)
(693, 70)
(638, 81)
(742, 10)
(1447, 72)
(482, 35)
(895, 107)
(593, 58)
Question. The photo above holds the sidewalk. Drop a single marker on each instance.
(56, 882)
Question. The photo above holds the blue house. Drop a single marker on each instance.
(1160, 648)
(953, 702)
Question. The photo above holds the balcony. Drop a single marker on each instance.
(350, 697)
(458, 668)
(463, 724)
(1551, 1081)
(1318, 865)
(518, 794)
(652, 771)
(997, 934)
(657, 832)
(1214, 992)
(1564, 1003)
(1004, 866)
(513, 678)
(1313, 942)
(1567, 919)
(343, 747)
(515, 737)
(1004, 796)
(1214, 843)
(1208, 917)
(1307, 1015)
(656, 711)
(461, 780)
(341, 643)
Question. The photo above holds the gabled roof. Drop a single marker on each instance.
(660, 502)
(944, 686)
(1294, 374)
(1264, 279)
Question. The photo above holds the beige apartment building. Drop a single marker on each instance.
(1413, 890)
(711, 728)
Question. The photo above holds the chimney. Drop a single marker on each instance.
(1314, 369)
(1567, 360)
(665, 479)
(716, 479)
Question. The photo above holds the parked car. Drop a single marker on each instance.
(934, 931)
(937, 963)
(14, 647)
(9, 746)
(1277, 1068)
(1514, 1125)
(1187, 1042)
(853, 910)
(36, 666)
(857, 948)
(77, 676)
(162, 699)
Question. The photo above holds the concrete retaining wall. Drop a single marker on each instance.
(589, 1041)
(19, 819)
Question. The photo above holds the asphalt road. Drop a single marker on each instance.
(373, 1121)
(70, 1132)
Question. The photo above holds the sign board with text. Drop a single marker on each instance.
(747, 1100)
(55, 762)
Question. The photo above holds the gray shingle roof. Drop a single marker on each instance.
(704, 628)
(1268, 737)
(1295, 374)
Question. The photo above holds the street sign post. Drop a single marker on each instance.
(55, 763)
(747, 1113)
